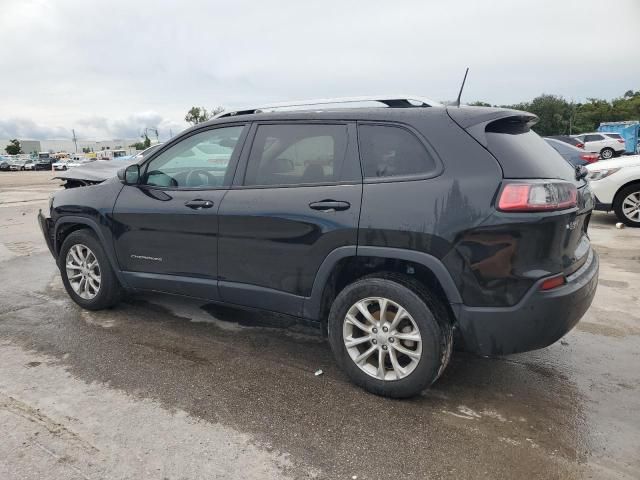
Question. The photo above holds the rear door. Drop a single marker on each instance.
(296, 198)
(166, 228)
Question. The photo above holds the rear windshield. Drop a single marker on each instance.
(524, 154)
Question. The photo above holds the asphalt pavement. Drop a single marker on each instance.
(168, 388)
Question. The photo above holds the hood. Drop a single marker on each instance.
(97, 171)
(620, 162)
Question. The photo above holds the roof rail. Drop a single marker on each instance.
(392, 101)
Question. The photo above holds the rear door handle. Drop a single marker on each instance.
(329, 205)
(198, 203)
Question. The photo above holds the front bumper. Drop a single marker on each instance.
(46, 225)
(538, 320)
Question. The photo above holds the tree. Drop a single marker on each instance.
(479, 103)
(14, 147)
(197, 115)
(138, 146)
(147, 142)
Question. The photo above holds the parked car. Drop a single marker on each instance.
(61, 164)
(629, 131)
(616, 185)
(391, 228)
(605, 145)
(97, 171)
(21, 164)
(5, 163)
(568, 139)
(574, 155)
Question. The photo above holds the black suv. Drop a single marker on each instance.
(398, 229)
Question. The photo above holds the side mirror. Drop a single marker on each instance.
(130, 175)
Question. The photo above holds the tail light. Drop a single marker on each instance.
(580, 145)
(589, 157)
(620, 140)
(536, 196)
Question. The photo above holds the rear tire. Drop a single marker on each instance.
(409, 366)
(607, 153)
(83, 258)
(627, 205)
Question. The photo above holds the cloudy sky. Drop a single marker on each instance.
(111, 68)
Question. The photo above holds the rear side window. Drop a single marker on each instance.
(287, 154)
(617, 136)
(593, 138)
(390, 151)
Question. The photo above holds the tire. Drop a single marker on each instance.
(425, 313)
(627, 205)
(607, 153)
(109, 290)
(22, 169)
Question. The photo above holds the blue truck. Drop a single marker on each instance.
(630, 131)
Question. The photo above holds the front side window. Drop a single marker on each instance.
(390, 151)
(287, 154)
(198, 161)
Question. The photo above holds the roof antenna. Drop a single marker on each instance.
(457, 103)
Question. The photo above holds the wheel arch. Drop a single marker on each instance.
(66, 225)
(347, 264)
(622, 187)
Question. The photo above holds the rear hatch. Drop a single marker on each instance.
(524, 156)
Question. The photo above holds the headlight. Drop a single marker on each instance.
(600, 174)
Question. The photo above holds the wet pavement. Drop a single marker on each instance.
(164, 387)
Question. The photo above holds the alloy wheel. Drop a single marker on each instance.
(382, 338)
(631, 206)
(83, 271)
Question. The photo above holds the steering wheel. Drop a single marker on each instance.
(195, 178)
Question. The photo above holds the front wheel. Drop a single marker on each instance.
(389, 335)
(607, 153)
(86, 272)
(627, 205)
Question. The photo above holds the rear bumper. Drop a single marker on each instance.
(46, 225)
(538, 320)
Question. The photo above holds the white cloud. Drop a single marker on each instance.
(65, 62)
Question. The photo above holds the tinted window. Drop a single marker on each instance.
(523, 154)
(593, 138)
(297, 154)
(198, 161)
(388, 151)
(617, 136)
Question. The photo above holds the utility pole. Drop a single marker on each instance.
(75, 140)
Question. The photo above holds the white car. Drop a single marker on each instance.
(608, 145)
(61, 164)
(616, 185)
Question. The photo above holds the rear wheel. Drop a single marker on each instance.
(607, 153)
(391, 337)
(86, 272)
(627, 205)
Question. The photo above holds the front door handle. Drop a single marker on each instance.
(329, 205)
(198, 203)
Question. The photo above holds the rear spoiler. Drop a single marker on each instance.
(478, 120)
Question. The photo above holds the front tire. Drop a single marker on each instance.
(627, 205)
(389, 335)
(607, 153)
(86, 272)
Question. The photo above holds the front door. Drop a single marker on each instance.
(297, 199)
(166, 228)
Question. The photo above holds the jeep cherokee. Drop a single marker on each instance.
(397, 228)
